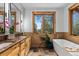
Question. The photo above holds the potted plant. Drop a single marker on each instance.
(1, 30)
(11, 30)
(46, 40)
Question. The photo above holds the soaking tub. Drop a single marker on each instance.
(65, 48)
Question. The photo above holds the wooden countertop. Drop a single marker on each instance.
(14, 41)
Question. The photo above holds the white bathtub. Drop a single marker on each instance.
(59, 47)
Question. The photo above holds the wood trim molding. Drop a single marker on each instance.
(42, 12)
(32, 23)
(54, 23)
(14, 14)
(69, 21)
(73, 6)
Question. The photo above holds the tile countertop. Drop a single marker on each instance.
(4, 45)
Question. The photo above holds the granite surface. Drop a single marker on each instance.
(5, 44)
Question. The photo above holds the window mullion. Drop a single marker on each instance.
(42, 25)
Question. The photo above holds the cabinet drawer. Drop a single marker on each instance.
(8, 51)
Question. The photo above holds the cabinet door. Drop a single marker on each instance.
(8, 51)
(23, 52)
(22, 45)
(15, 52)
(28, 42)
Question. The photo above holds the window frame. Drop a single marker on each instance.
(70, 11)
(14, 14)
(44, 13)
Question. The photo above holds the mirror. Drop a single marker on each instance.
(15, 19)
(2, 20)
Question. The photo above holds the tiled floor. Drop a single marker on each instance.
(41, 52)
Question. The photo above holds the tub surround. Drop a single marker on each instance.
(70, 37)
(60, 47)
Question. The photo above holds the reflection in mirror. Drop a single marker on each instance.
(15, 19)
(2, 18)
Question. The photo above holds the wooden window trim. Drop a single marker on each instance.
(14, 13)
(42, 13)
(70, 10)
(2, 13)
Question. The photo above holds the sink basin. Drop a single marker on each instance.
(3, 45)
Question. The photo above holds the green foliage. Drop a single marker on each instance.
(47, 26)
(35, 27)
(47, 42)
(75, 24)
(1, 30)
(11, 30)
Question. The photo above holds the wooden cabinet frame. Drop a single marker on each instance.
(44, 13)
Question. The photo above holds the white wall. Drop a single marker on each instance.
(66, 17)
(59, 19)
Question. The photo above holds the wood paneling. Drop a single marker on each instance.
(71, 37)
(36, 40)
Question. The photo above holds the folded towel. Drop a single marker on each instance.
(72, 49)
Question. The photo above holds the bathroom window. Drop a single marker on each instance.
(75, 22)
(48, 23)
(37, 23)
(74, 19)
(43, 22)
(2, 19)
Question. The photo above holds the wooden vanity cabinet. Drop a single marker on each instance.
(22, 48)
(19, 49)
(12, 51)
(25, 46)
(28, 44)
(15, 52)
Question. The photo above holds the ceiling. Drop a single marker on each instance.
(43, 5)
